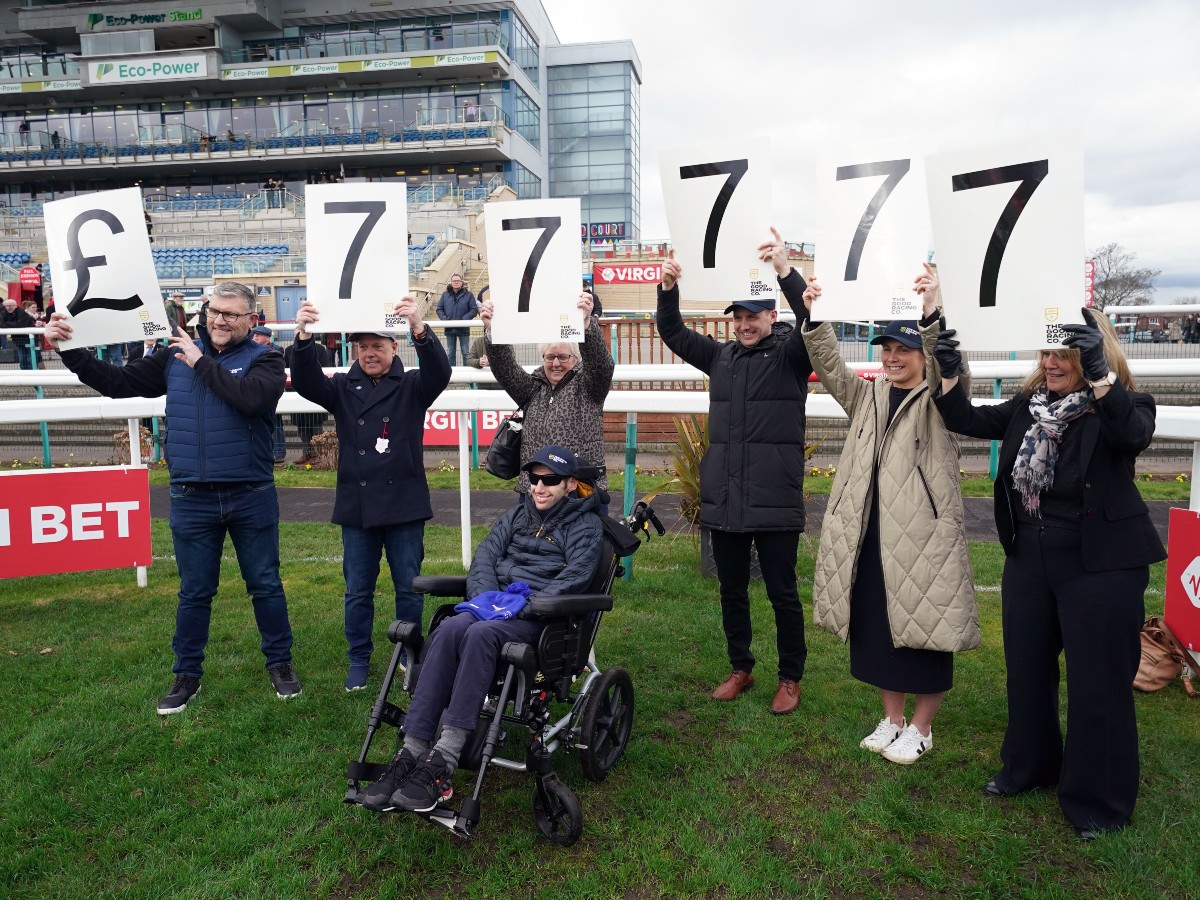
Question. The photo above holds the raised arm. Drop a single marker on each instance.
(598, 365)
(517, 383)
(307, 378)
(695, 349)
(434, 365)
(794, 290)
(141, 378)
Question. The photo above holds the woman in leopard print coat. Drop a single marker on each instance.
(564, 399)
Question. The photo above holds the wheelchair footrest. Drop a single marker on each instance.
(365, 771)
(392, 715)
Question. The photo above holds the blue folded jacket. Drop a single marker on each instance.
(505, 604)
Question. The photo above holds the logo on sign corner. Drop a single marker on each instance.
(1190, 579)
(1051, 313)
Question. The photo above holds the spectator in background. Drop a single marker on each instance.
(176, 317)
(55, 139)
(13, 316)
(478, 359)
(308, 425)
(597, 306)
(261, 334)
(457, 304)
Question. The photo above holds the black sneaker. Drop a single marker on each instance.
(427, 786)
(283, 678)
(183, 689)
(378, 795)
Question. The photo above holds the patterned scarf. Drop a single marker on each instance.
(1033, 471)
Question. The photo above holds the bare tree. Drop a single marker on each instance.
(1117, 282)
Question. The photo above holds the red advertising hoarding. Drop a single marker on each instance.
(1182, 609)
(74, 520)
(441, 426)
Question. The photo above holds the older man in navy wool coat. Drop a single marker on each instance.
(382, 499)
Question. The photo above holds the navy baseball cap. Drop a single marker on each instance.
(261, 329)
(556, 458)
(752, 305)
(904, 331)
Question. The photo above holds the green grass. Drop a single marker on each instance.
(240, 796)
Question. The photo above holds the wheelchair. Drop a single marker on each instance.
(529, 680)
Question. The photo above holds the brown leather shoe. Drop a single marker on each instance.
(737, 682)
(787, 697)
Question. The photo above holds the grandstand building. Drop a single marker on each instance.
(203, 104)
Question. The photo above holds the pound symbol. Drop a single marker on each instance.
(83, 266)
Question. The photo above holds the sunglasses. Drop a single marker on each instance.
(549, 480)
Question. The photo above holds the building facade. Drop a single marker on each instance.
(211, 101)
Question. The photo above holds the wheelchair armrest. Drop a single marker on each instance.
(441, 585)
(568, 605)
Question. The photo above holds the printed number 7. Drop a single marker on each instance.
(734, 169)
(894, 169)
(1030, 174)
(374, 210)
(549, 225)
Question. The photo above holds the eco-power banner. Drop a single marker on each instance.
(104, 274)
(718, 201)
(534, 261)
(357, 238)
(132, 71)
(873, 231)
(74, 520)
(1008, 229)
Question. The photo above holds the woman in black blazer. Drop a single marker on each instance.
(1079, 542)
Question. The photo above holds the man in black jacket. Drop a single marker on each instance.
(551, 543)
(457, 303)
(752, 475)
(382, 500)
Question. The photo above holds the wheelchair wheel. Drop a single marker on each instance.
(556, 811)
(607, 721)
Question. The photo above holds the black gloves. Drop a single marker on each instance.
(946, 353)
(1088, 340)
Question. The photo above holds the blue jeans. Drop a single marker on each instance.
(201, 516)
(461, 336)
(361, 550)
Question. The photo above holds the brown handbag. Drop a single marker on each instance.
(1163, 659)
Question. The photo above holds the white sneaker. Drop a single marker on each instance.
(909, 747)
(883, 735)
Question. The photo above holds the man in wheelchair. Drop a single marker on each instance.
(552, 544)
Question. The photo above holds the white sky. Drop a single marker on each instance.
(954, 71)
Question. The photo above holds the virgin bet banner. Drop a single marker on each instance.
(1008, 228)
(1182, 609)
(718, 200)
(534, 262)
(874, 231)
(357, 236)
(104, 275)
(74, 520)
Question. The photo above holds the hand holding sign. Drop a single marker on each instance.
(774, 251)
(307, 316)
(671, 271)
(926, 285)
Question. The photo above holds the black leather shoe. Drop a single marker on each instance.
(994, 790)
(1087, 834)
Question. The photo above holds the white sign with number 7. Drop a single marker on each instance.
(535, 264)
(873, 233)
(357, 237)
(1008, 228)
(718, 202)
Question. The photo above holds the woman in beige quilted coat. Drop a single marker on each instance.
(893, 576)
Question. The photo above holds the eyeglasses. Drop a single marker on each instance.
(558, 357)
(231, 317)
(549, 480)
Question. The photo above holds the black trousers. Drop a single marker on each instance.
(1051, 605)
(777, 559)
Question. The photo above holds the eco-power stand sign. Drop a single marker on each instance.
(718, 201)
(74, 520)
(358, 254)
(104, 276)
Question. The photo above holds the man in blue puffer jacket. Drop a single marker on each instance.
(221, 395)
(551, 542)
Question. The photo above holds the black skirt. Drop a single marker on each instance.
(873, 659)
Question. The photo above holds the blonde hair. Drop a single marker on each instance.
(1113, 355)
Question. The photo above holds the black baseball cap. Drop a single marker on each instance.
(752, 305)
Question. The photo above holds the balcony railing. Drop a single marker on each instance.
(412, 41)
